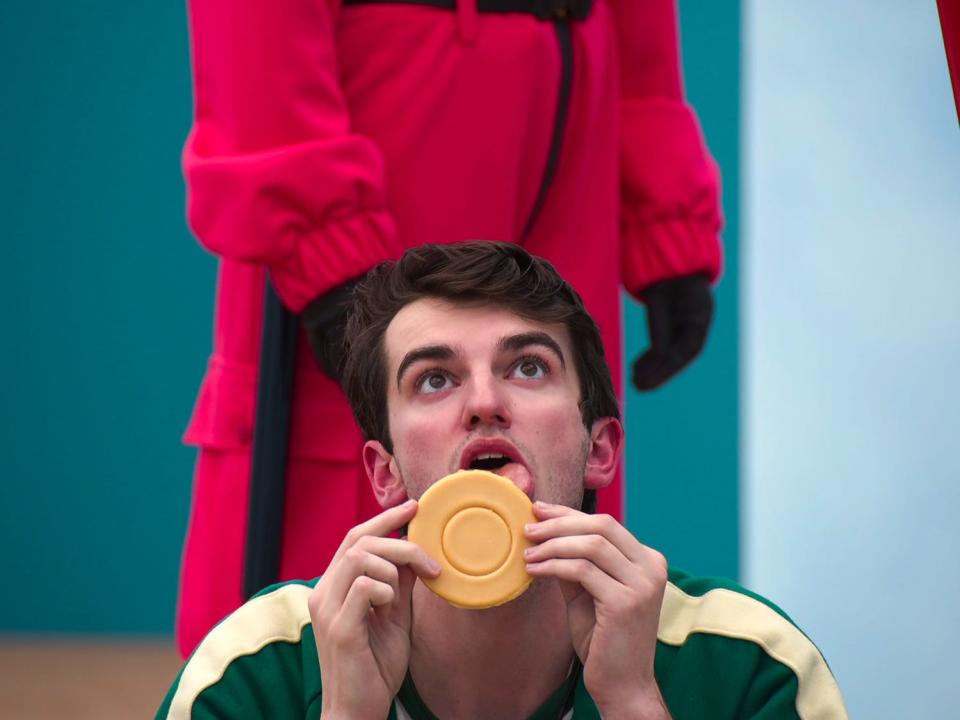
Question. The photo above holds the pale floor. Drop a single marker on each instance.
(81, 679)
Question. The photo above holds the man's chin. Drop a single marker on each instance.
(534, 595)
(540, 588)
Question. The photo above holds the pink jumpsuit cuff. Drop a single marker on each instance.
(313, 213)
(670, 202)
(326, 257)
(667, 249)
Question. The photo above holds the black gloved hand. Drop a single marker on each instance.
(679, 312)
(325, 321)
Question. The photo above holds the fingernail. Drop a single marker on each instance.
(528, 552)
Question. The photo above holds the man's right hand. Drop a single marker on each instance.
(361, 613)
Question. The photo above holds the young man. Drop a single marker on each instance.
(456, 352)
(331, 135)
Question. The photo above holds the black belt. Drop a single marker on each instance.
(543, 9)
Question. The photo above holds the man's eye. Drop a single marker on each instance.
(432, 382)
(531, 369)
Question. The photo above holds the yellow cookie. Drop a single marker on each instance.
(472, 522)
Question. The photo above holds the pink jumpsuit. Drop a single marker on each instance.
(327, 139)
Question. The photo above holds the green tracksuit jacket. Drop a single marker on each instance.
(722, 652)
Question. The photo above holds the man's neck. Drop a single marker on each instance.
(503, 662)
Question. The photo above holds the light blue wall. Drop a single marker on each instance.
(851, 347)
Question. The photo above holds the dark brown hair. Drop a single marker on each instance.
(473, 273)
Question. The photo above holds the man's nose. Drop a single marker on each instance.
(485, 404)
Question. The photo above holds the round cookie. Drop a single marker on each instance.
(472, 522)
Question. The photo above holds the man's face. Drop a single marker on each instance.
(482, 387)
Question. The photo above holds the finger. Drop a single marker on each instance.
(647, 566)
(366, 556)
(595, 548)
(637, 554)
(364, 594)
(379, 525)
(559, 520)
(401, 552)
(383, 570)
(601, 586)
(621, 604)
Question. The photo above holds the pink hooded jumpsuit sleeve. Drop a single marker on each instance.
(327, 139)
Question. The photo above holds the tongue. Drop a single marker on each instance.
(519, 475)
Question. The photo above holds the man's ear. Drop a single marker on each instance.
(606, 445)
(384, 475)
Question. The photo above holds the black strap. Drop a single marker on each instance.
(565, 41)
(543, 9)
(271, 429)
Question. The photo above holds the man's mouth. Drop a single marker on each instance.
(498, 456)
(490, 461)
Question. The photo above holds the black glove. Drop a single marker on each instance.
(325, 320)
(679, 312)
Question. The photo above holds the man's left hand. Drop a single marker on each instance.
(613, 586)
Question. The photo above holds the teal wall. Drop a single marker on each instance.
(106, 307)
(682, 449)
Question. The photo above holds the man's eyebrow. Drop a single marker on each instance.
(428, 352)
(512, 343)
